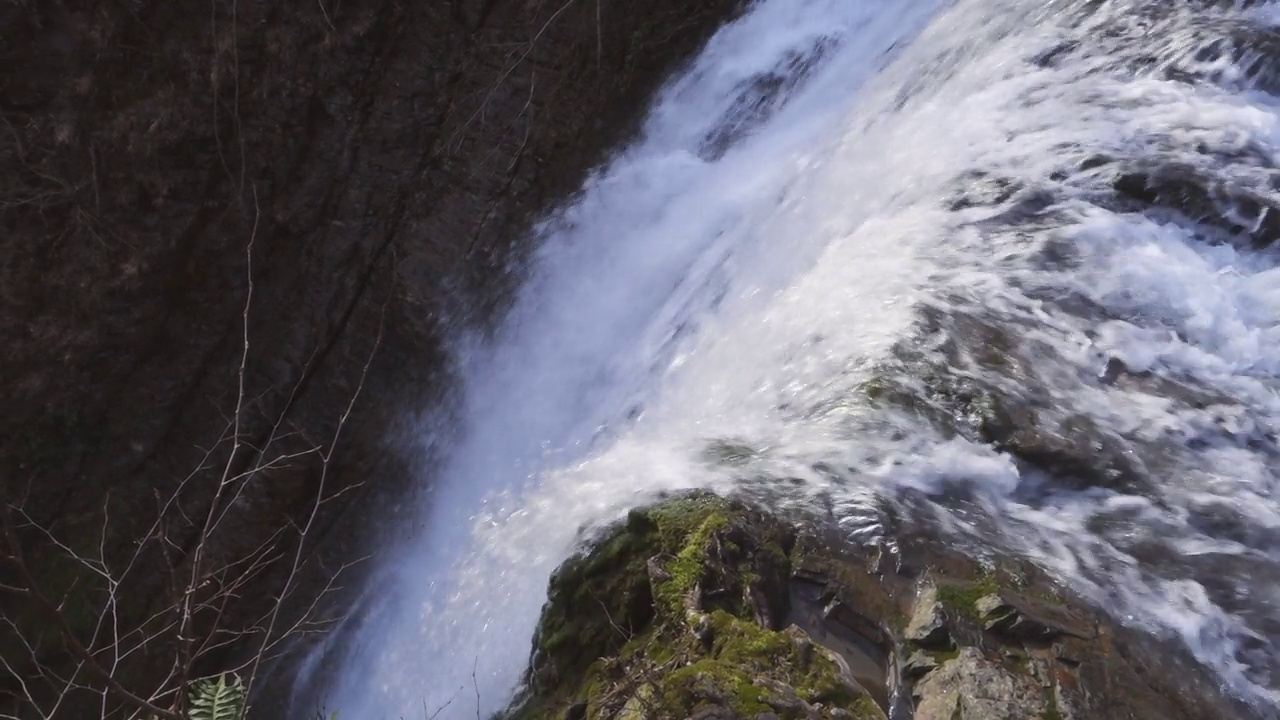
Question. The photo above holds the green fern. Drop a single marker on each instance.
(217, 699)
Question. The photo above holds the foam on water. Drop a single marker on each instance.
(705, 314)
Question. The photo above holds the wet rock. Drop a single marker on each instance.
(1014, 647)
(980, 189)
(1003, 618)
(986, 385)
(1051, 57)
(841, 611)
(761, 96)
(1114, 369)
(845, 611)
(1199, 196)
(928, 625)
(711, 571)
(970, 686)
(1075, 451)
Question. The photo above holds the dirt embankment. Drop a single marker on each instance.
(352, 178)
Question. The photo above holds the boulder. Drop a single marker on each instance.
(918, 665)
(697, 582)
(970, 686)
(928, 625)
(1025, 620)
(687, 576)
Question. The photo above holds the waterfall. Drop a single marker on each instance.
(830, 187)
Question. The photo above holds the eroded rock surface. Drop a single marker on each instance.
(672, 614)
(970, 686)
(677, 613)
(927, 627)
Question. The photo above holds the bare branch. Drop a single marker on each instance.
(67, 633)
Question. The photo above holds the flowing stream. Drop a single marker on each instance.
(1069, 205)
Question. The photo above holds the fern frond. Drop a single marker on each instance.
(218, 699)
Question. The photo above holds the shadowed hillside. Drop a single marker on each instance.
(230, 230)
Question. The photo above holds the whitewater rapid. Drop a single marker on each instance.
(824, 177)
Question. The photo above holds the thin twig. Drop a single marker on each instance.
(65, 631)
(476, 685)
(325, 13)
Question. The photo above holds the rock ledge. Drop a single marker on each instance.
(712, 608)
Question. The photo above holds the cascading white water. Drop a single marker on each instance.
(732, 278)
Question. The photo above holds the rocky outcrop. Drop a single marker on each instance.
(989, 385)
(704, 607)
(223, 222)
(683, 611)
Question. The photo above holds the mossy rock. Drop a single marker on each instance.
(677, 610)
(962, 596)
(713, 609)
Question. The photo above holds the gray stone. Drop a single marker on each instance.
(803, 646)
(918, 665)
(970, 686)
(657, 572)
(928, 625)
(988, 605)
(1018, 619)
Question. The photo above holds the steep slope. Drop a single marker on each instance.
(349, 181)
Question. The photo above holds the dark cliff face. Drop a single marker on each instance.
(349, 180)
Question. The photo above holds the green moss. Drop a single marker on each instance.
(687, 568)
(708, 681)
(745, 656)
(828, 688)
(963, 597)
(864, 708)
(745, 643)
(660, 667)
(942, 656)
(677, 520)
(1051, 711)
